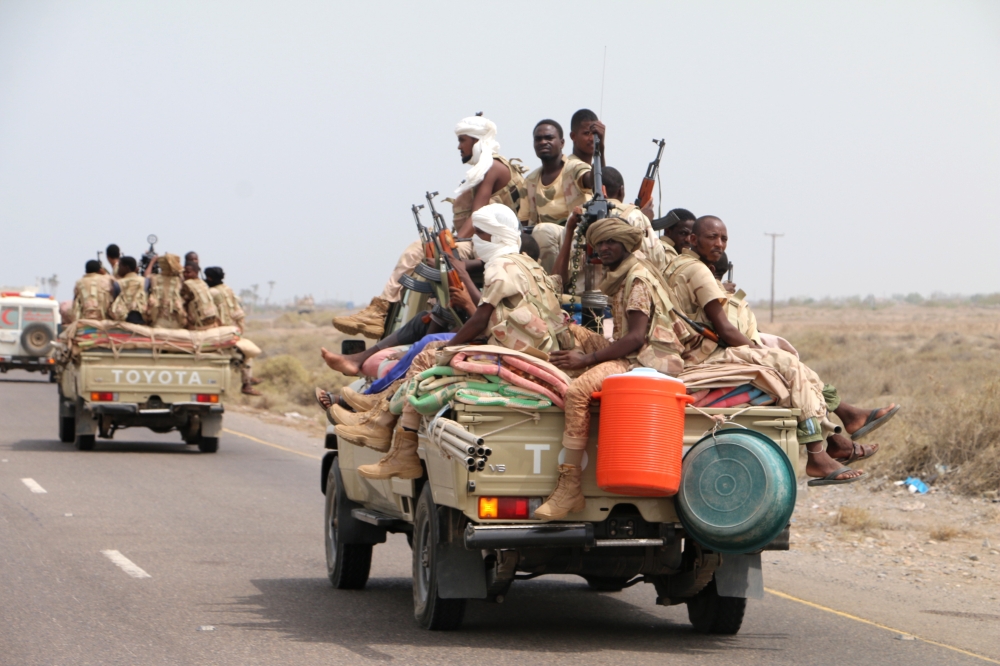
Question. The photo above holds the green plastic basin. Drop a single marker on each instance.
(737, 491)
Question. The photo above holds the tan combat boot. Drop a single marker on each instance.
(401, 462)
(359, 401)
(566, 498)
(370, 322)
(373, 430)
(345, 417)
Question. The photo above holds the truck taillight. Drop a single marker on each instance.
(510, 508)
(206, 397)
(102, 396)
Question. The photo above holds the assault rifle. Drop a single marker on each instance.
(703, 329)
(149, 256)
(597, 208)
(646, 189)
(439, 276)
(446, 241)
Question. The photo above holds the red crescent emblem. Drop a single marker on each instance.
(4, 316)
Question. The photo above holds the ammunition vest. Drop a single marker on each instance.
(538, 320)
(510, 195)
(165, 305)
(663, 348)
(131, 298)
(199, 305)
(92, 297)
(228, 306)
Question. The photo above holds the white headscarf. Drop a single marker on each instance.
(482, 153)
(500, 222)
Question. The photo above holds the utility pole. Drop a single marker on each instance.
(774, 237)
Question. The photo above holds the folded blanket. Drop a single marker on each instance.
(399, 370)
(87, 334)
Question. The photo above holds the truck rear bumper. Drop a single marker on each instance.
(132, 409)
(544, 535)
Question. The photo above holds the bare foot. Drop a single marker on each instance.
(821, 464)
(345, 365)
(324, 398)
(843, 449)
(854, 418)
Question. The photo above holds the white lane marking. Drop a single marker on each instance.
(125, 564)
(33, 486)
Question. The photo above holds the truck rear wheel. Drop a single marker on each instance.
(208, 444)
(85, 442)
(431, 611)
(347, 564)
(711, 614)
(67, 428)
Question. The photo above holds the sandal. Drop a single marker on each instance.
(871, 423)
(320, 394)
(865, 453)
(832, 480)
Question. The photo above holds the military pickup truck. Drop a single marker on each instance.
(472, 532)
(113, 376)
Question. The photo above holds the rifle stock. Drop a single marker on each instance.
(649, 180)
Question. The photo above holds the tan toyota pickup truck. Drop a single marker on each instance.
(473, 534)
(127, 378)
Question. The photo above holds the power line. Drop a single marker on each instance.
(774, 238)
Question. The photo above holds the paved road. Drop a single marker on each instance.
(232, 542)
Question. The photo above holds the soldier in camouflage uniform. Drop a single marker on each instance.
(231, 313)
(165, 308)
(644, 335)
(198, 302)
(676, 227)
(492, 178)
(92, 294)
(131, 301)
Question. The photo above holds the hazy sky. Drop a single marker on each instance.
(286, 140)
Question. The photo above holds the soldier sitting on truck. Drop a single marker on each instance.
(92, 294)
(643, 336)
(131, 300)
(166, 305)
(514, 283)
(676, 227)
(698, 295)
(198, 302)
(491, 178)
(231, 313)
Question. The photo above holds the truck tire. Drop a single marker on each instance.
(37, 339)
(85, 442)
(711, 614)
(67, 429)
(52, 377)
(347, 564)
(606, 583)
(208, 444)
(431, 611)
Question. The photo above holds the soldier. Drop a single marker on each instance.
(230, 311)
(560, 184)
(92, 294)
(131, 301)
(198, 302)
(166, 306)
(643, 336)
(491, 178)
(113, 253)
(676, 227)
(513, 284)
(697, 293)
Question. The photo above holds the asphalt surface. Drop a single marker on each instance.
(220, 561)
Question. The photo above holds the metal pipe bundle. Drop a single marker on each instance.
(457, 442)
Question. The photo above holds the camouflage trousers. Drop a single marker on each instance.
(413, 255)
(578, 396)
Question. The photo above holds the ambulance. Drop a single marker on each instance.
(29, 324)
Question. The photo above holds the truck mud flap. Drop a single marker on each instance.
(740, 576)
(461, 573)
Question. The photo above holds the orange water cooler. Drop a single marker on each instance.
(641, 436)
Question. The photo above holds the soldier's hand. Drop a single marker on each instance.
(599, 129)
(648, 211)
(573, 359)
(574, 219)
(461, 300)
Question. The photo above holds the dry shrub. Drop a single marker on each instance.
(857, 519)
(959, 432)
(945, 533)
